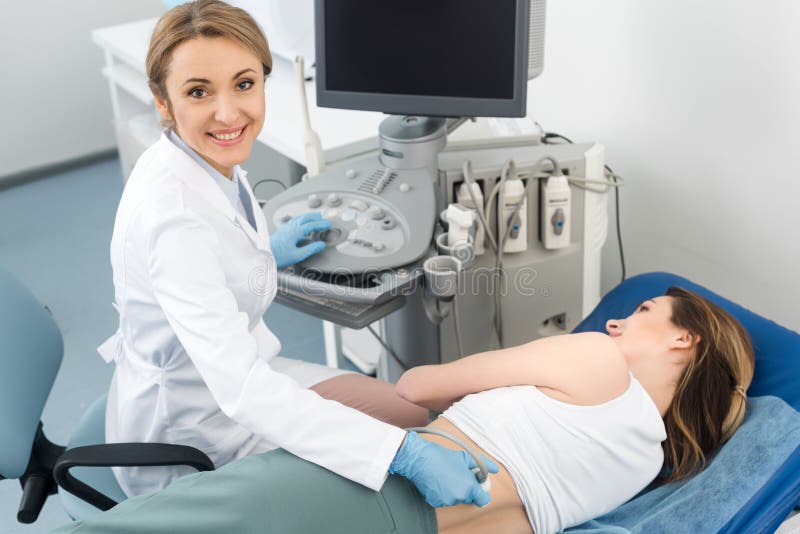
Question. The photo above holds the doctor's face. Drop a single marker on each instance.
(215, 90)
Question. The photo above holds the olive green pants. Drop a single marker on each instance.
(273, 492)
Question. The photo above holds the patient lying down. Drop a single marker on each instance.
(578, 423)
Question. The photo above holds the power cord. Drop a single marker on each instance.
(405, 367)
(617, 183)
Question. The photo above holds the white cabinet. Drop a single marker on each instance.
(136, 121)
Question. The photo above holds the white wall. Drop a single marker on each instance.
(55, 102)
(698, 104)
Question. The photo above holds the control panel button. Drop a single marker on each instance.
(558, 220)
(377, 246)
(314, 201)
(361, 220)
(331, 236)
(363, 242)
(333, 200)
(388, 224)
(330, 213)
(376, 212)
(359, 205)
(350, 173)
(348, 215)
(405, 188)
(382, 182)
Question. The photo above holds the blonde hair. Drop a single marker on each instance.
(710, 398)
(201, 18)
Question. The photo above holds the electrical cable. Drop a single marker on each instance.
(490, 202)
(607, 184)
(619, 233)
(467, 171)
(483, 217)
(555, 171)
(391, 353)
(554, 135)
(457, 321)
(498, 263)
(617, 183)
(260, 201)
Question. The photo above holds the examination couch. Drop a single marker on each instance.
(753, 483)
(750, 485)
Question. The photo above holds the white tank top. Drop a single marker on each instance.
(570, 463)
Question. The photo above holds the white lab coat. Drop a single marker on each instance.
(192, 280)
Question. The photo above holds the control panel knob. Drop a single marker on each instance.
(359, 205)
(333, 200)
(376, 212)
(314, 201)
(331, 236)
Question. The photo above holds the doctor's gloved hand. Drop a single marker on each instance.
(284, 241)
(441, 475)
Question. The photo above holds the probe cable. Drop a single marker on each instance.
(481, 472)
(556, 171)
(456, 322)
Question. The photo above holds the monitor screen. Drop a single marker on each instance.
(426, 57)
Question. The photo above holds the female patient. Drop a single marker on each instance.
(578, 423)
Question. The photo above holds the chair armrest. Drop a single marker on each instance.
(121, 455)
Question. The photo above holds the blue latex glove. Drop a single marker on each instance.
(284, 241)
(441, 475)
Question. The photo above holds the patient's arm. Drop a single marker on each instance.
(587, 368)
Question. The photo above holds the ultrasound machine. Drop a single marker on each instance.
(458, 247)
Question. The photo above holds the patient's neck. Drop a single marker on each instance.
(660, 391)
(659, 376)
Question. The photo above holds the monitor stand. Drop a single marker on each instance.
(411, 142)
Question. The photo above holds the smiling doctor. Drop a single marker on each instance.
(194, 272)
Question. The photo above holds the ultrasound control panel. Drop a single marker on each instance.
(380, 218)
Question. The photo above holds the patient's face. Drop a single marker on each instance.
(649, 326)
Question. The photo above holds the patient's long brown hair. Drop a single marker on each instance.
(709, 402)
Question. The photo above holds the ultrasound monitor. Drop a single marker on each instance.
(437, 58)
